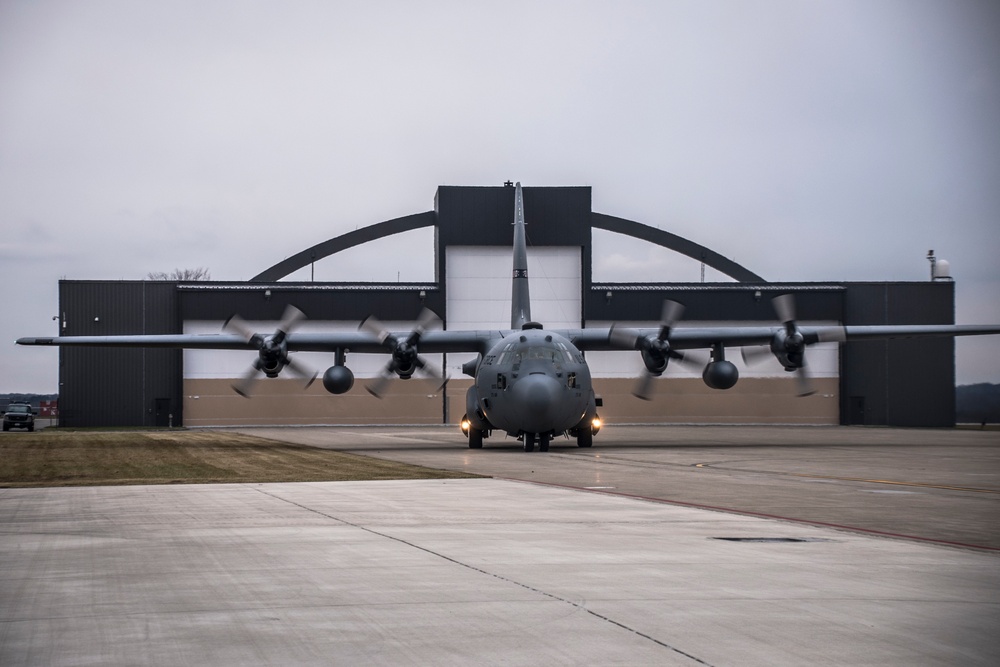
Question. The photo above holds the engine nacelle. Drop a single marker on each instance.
(405, 369)
(271, 366)
(789, 350)
(405, 360)
(338, 379)
(655, 363)
(720, 374)
(273, 356)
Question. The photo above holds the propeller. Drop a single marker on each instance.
(656, 350)
(794, 343)
(272, 351)
(404, 360)
(756, 355)
(788, 345)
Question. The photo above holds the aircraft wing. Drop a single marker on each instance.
(431, 342)
(358, 341)
(479, 340)
(918, 331)
(689, 338)
(273, 350)
(191, 341)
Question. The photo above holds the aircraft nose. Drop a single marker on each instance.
(537, 397)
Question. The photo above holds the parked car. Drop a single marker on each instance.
(19, 415)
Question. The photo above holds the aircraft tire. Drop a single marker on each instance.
(475, 438)
(529, 442)
(543, 443)
(585, 438)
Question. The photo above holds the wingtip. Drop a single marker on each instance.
(34, 341)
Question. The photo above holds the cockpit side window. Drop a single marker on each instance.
(508, 355)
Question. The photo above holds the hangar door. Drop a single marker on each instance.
(478, 283)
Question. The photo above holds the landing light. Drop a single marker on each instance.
(466, 425)
(595, 425)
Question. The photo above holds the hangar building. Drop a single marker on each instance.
(899, 382)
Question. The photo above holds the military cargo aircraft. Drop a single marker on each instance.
(530, 383)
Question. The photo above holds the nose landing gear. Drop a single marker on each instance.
(530, 439)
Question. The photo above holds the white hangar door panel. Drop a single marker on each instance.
(478, 280)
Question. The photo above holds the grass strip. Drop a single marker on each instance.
(84, 458)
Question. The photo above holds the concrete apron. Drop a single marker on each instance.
(475, 571)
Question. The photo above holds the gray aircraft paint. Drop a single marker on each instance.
(520, 303)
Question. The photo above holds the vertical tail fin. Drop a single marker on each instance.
(520, 302)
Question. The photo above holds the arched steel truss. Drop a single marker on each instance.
(343, 242)
(428, 219)
(676, 243)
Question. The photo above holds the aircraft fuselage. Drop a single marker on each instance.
(535, 383)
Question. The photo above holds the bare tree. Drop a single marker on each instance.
(200, 273)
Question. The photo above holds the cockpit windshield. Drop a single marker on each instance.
(513, 354)
(546, 353)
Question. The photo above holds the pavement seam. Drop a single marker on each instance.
(473, 568)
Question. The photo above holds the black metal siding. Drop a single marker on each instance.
(474, 215)
(714, 302)
(319, 301)
(106, 387)
(899, 382)
(483, 216)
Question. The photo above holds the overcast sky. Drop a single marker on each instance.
(808, 141)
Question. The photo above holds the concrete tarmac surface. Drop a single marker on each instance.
(482, 571)
(940, 485)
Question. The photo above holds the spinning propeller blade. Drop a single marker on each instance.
(272, 351)
(656, 351)
(404, 360)
(788, 347)
(795, 346)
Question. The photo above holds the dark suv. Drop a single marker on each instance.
(19, 415)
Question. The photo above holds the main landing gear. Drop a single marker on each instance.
(531, 438)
